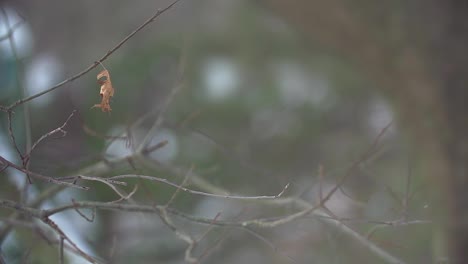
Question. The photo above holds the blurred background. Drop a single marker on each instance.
(266, 93)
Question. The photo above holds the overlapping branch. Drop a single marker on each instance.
(166, 212)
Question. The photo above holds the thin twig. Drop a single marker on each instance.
(43, 137)
(150, 149)
(184, 237)
(268, 242)
(12, 135)
(5, 166)
(107, 182)
(165, 181)
(189, 172)
(26, 111)
(168, 100)
(93, 213)
(93, 133)
(19, 82)
(393, 223)
(259, 223)
(209, 229)
(63, 236)
(61, 256)
(40, 176)
(2, 259)
(127, 197)
(96, 63)
(199, 182)
(218, 241)
(386, 256)
(11, 30)
(406, 199)
(29, 211)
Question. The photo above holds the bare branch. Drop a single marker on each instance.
(2, 259)
(27, 114)
(96, 63)
(268, 243)
(216, 244)
(165, 181)
(107, 182)
(165, 105)
(188, 239)
(12, 135)
(384, 255)
(93, 213)
(61, 255)
(40, 176)
(128, 196)
(189, 172)
(63, 236)
(93, 133)
(11, 30)
(57, 130)
(32, 212)
(149, 150)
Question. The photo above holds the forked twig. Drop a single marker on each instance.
(43, 137)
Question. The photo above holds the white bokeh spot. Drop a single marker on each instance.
(220, 78)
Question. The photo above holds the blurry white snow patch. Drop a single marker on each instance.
(380, 115)
(22, 36)
(220, 77)
(43, 72)
(169, 151)
(298, 86)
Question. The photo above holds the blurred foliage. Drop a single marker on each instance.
(251, 142)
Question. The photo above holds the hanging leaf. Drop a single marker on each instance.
(107, 91)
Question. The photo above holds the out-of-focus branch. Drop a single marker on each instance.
(168, 100)
(181, 235)
(22, 89)
(12, 135)
(64, 237)
(11, 30)
(208, 188)
(262, 223)
(41, 215)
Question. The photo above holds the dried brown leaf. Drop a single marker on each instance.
(107, 91)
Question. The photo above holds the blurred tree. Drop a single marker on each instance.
(416, 52)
